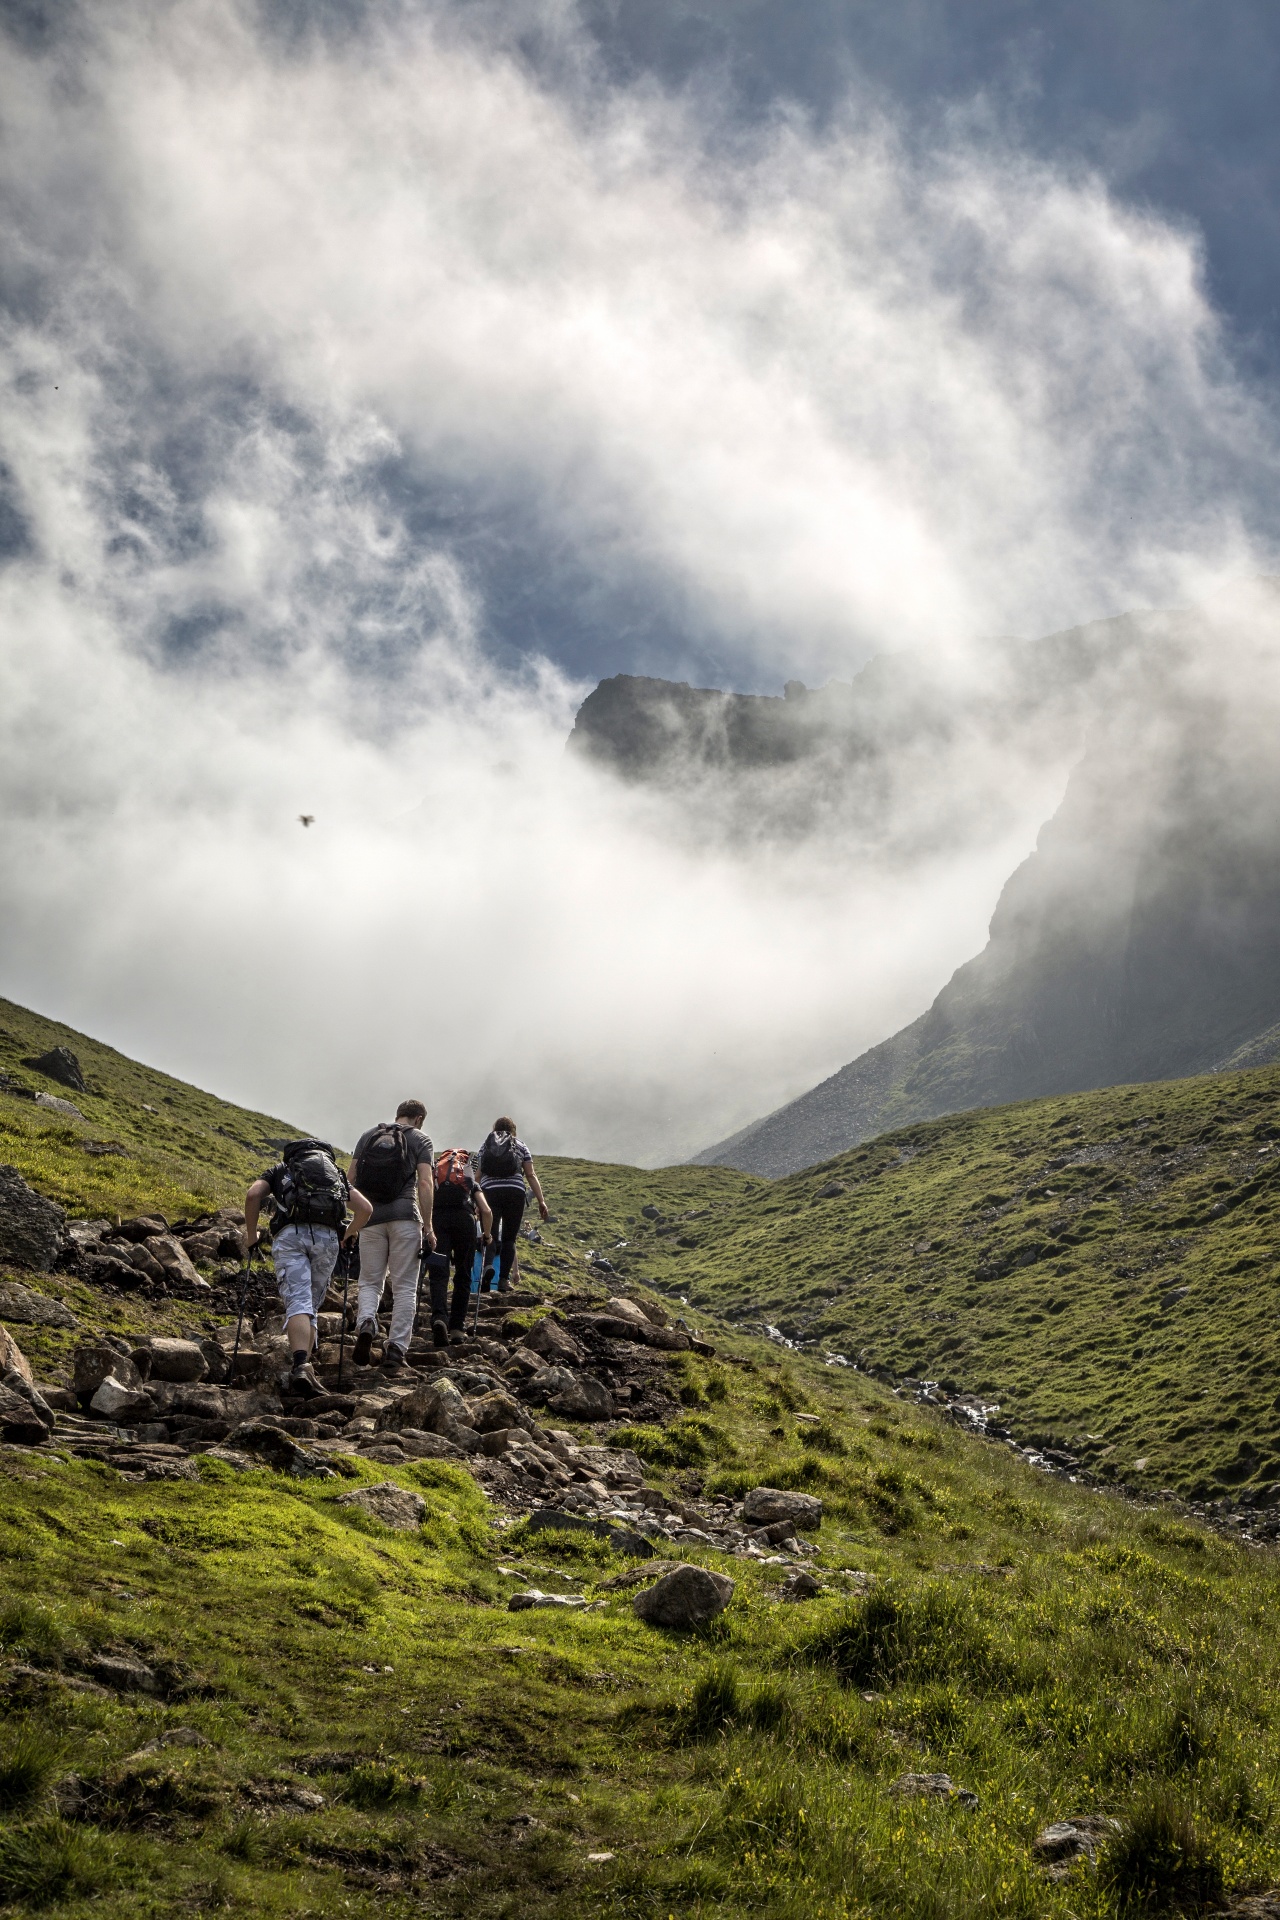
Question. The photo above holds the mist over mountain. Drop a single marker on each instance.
(1141, 939)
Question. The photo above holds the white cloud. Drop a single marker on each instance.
(819, 394)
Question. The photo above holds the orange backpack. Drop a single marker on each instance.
(452, 1168)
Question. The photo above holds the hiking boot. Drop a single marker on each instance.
(457, 1335)
(394, 1360)
(362, 1352)
(302, 1380)
(440, 1333)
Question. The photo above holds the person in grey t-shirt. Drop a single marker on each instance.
(397, 1159)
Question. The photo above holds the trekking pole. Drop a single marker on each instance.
(477, 1274)
(244, 1291)
(345, 1256)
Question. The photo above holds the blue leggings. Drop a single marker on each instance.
(508, 1212)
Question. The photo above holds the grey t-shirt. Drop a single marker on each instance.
(405, 1205)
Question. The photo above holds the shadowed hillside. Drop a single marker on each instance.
(1140, 941)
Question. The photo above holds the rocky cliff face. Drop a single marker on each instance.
(903, 759)
(1141, 940)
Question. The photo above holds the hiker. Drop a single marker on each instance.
(314, 1207)
(505, 1166)
(458, 1201)
(393, 1164)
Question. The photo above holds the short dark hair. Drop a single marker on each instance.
(411, 1110)
(504, 1124)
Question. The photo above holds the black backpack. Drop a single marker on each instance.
(498, 1157)
(386, 1165)
(310, 1189)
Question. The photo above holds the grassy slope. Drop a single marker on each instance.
(185, 1151)
(1122, 1304)
(1055, 1650)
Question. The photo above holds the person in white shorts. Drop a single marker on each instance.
(313, 1204)
(393, 1165)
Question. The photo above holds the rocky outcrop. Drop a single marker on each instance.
(59, 1064)
(33, 1230)
(689, 1597)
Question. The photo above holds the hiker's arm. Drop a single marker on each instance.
(486, 1215)
(530, 1174)
(361, 1212)
(252, 1202)
(427, 1200)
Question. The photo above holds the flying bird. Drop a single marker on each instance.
(307, 819)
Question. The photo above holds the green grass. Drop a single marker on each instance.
(185, 1152)
(959, 1252)
(1055, 1650)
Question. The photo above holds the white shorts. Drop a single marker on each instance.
(304, 1259)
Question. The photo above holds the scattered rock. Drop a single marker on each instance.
(832, 1190)
(25, 1418)
(689, 1597)
(115, 1401)
(1064, 1842)
(493, 1411)
(765, 1505)
(432, 1407)
(534, 1597)
(13, 1359)
(307, 1798)
(18, 1303)
(93, 1360)
(180, 1360)
(932, 1786)
(59, 1106)
(394, 1506)
(800, 1586)
(59, 1064)
(143, 1226)
(123, 1674)
(418, 1445)
(1251, 1906)
(168, 1254)
(272, 1445)
(554, 1343)
(33, 1230)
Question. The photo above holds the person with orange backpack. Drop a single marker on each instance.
(458, 1201)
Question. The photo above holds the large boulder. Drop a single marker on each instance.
(91, 1363)
(432, 1407)
(181, 1360)
(13, 1359)
(394, 1506)
(59, 1064)
(493, 1411)
(586, 1399)
(33, 1230)
(689, 1597)
(192, 1400)
(25, 1416)
(763, 1505)
(167, 1252)
(30, 1309)
(142, 1227)
(554, 1343)
(114, 1401)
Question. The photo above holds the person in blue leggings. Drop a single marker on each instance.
(507, 1172)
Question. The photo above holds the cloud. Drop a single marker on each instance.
(313, 346)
